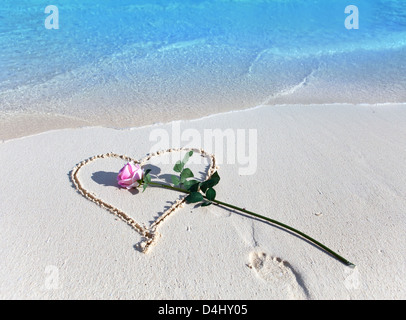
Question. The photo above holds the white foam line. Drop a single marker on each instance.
(157, 124)
(293, 89)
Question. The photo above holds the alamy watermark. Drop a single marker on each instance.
(230, 146)
(52, 20)
(352, 20)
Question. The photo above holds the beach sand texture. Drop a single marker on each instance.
(335, 172)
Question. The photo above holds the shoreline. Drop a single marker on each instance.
(50, 122)
(328, 170)
(180, 86)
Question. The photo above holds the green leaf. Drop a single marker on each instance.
(214, 180)
(181, 164)
(147, 178)
(186, 173)
(191, 185)
(144, 186)
(211, 194)
(175, 180)
(203, 186)
(147, 171)
(205, 204)
(178, 166)
(186, 157)
(194, 197)
(194, 187)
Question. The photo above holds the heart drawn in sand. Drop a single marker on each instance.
(149, 233)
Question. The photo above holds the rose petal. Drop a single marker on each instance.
(132, 167)
(126, 173)
(133, 185)
(125, 182)
(129, 175)
(139, 174)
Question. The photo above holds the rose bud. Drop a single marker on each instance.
(129, 176)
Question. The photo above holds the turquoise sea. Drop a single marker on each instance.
(124, 63)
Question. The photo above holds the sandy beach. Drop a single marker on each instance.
(298, 106)
(335, 172)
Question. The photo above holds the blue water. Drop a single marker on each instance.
(167, 44)
(91, 29)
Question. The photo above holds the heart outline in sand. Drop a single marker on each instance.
(149, 233)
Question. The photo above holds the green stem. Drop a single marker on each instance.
(275, 222)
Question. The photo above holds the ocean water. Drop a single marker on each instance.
(128, 63)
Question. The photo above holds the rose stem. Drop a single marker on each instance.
(336, 255)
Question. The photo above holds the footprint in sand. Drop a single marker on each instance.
(279, 274)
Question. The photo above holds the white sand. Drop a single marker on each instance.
(335, 172)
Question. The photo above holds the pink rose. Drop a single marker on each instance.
(129, 175)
